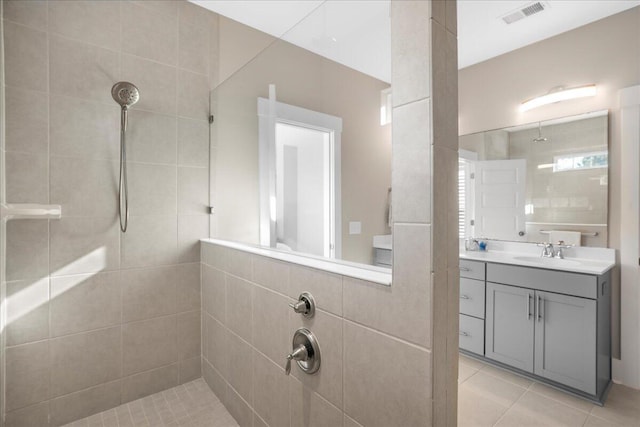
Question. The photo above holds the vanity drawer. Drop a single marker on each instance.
(561, 282)
(472, 334)
(472, 297)
(472, 269)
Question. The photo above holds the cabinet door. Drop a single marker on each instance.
(510, 325)
(565, 340)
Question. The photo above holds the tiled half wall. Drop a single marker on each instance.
(375, 366)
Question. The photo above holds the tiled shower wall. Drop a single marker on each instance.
(96, 317)
(375, 366)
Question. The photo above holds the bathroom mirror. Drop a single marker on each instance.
(538, 181)
(301, 137)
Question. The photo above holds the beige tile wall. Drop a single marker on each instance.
(424, 177)
(95, 317)
(374, 370)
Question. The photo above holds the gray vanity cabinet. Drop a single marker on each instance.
(548, 324)
(510, 326)
(565, 340)
(551, 324)
(544, 333)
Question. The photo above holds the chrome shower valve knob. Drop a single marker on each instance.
(306, 305)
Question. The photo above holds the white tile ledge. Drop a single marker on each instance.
(369, 273)
(29, 211)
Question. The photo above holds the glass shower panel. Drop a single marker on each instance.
(330, 74)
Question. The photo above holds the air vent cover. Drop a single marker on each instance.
(524, 12)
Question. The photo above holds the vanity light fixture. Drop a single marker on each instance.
(559, 95)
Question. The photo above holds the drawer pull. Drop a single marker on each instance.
(465, 269)
(464, 334)
(464, 297)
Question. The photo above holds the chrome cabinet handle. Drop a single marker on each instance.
(528, 306)
(538, 308)
(464, 334)
(464, 297)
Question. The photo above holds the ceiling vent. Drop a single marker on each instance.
(524, 12)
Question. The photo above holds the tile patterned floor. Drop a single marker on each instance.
(189, 405)
(487, 397)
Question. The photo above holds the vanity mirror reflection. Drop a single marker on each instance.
(541, 182)
(301, 138)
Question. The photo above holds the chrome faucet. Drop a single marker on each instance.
(547, 250)
(550, 251)
(559, 247)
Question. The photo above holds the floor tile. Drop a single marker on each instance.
(188, 405)
(599, 422)
(471, 362)
(507, 376)
(560, 396)
(622, 406)
(476, 410)
(493, 388)
(534, 409)
(465, 372)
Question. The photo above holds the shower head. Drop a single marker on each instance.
(126, 94)
(540, 138)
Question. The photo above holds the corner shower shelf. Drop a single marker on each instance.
(29, 211)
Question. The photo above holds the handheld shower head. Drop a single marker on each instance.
(126, 94)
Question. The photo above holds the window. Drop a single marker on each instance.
(583, 161)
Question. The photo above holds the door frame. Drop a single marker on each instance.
(271, 112)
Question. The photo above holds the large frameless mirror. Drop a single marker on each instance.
(544, 181)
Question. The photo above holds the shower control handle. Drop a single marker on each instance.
(300, 353)
(306, 305)
(305, 351)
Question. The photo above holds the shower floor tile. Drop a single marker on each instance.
(189, 405)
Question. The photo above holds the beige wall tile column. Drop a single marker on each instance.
(424, 177)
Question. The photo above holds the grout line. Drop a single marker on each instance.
(49, 317)
(509, 408)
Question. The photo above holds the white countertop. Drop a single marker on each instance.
(584, 260)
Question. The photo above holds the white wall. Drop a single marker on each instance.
(606, 53)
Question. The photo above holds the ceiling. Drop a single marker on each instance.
(356, 33)
(482, 34)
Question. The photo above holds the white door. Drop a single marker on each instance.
(500, 199)
(303, 189)
(299, 185)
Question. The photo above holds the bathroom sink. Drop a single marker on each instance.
(551, 262)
